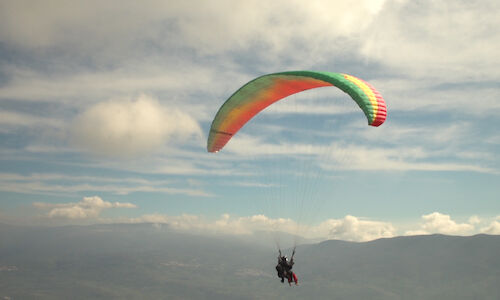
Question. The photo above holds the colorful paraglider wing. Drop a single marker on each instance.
(263, 91)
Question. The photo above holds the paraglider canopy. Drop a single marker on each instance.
(265, 90)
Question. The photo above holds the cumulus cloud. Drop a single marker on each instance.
(88, 208)
(473, 220)
(351, 228)
(127, 128)
(286, 230)
(492, 228)
(442, 223)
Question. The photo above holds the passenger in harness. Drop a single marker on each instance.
(284, 268)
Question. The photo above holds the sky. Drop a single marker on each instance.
(105, 108)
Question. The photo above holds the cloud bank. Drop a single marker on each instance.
(349, 228)
(88, 208)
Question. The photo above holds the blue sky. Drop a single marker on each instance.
(105, 109)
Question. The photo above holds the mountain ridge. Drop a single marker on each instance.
(120, 260)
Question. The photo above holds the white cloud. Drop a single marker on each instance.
(423, 39)
(442, 223)
(59, 22)
(88, 208)
(473, 220)
(441, 40)
(224, 225)
(112, 29)
(349, 228)
(492, 228)
(282, 230)
(314, 31)
(318, 27)
(126, 128)
(437, 39)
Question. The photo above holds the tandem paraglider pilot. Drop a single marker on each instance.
(284, 269)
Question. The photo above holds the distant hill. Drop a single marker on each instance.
(144, 261)
(416, 267)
